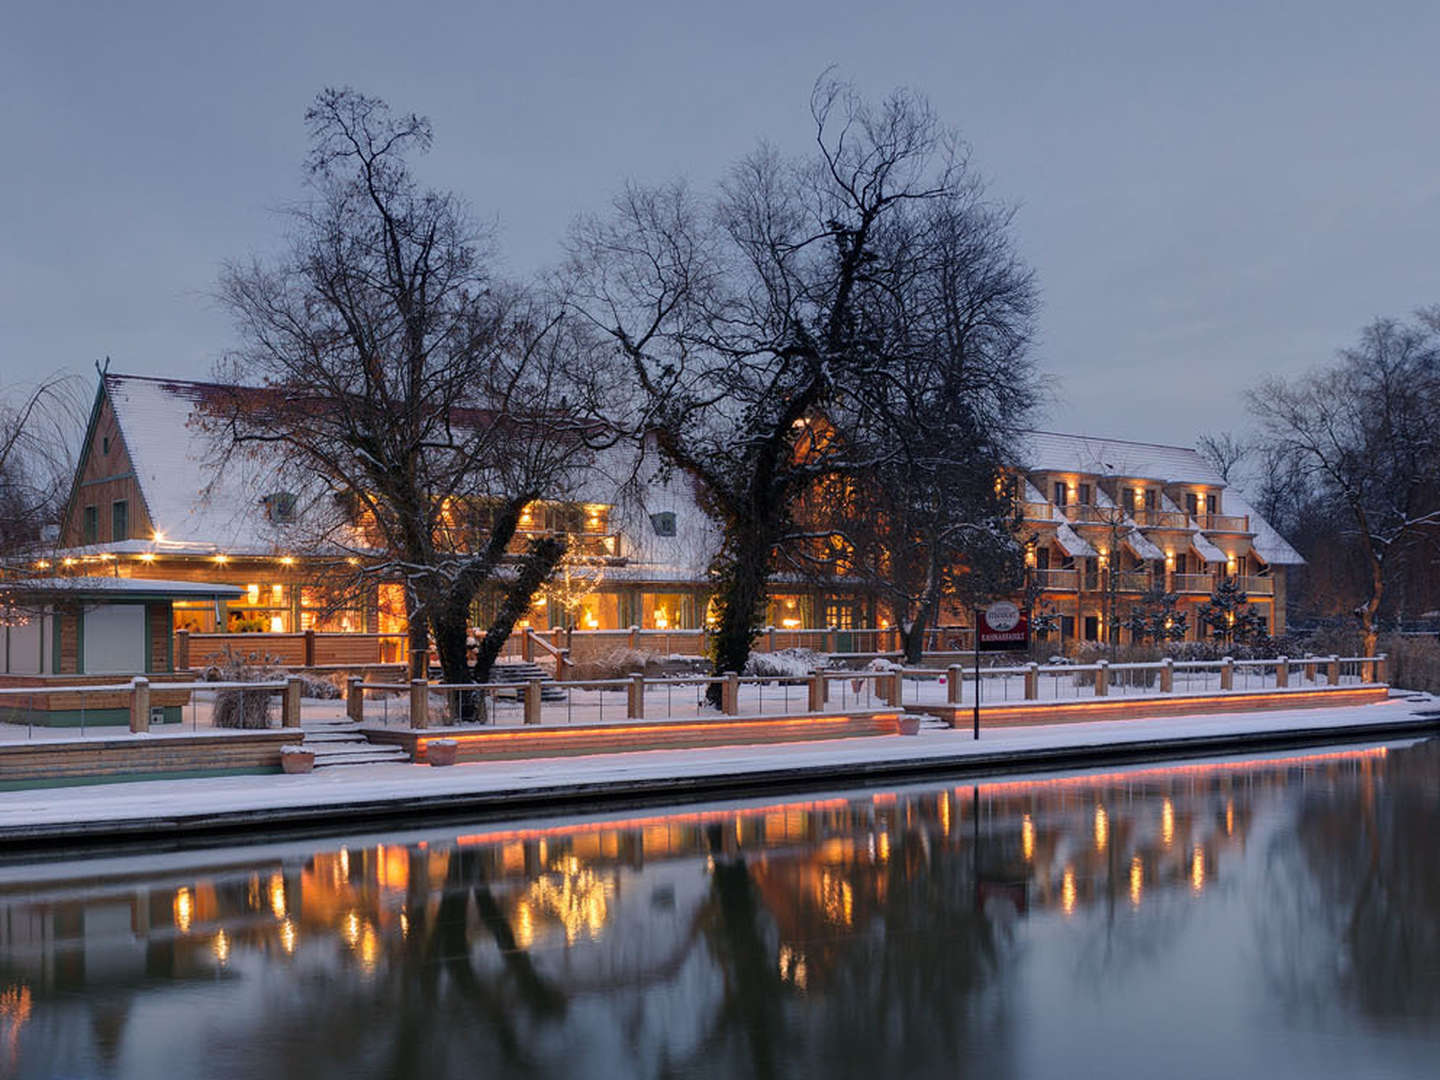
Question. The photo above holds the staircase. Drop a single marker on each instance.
(339, 742)
(521, 673)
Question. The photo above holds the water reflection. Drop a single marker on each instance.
(911, 931)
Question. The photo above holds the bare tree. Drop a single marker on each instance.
(761, 326)
(37, 464)
(1363, 435)
(1224, 451)
(417, 405)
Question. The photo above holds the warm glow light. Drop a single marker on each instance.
(287, 936)
(1137, 879)
(945, 812)
(277, 896)
(148, 557)
(1067, 890)
(69, 562)
(882, 847)
(184, 908)
(159, 537)
(277, 624)
(42, 564)
(222, 559)
(252, 593)
(1102, 828)
(287, 560)
(1197, 869)
(1027, 838)
(350, 929)
(1167, 822)
(790, 624)
(221, 947)
(524, 925)
(1230, 818)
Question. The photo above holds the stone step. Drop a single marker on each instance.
(366, 759)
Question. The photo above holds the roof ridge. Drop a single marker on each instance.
(1107, 438)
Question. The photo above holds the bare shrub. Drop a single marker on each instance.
(248, 709)
(1413, 662)
(785, 664)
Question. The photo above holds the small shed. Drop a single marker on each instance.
(69, 632)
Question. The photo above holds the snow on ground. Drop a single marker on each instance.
(375, 783)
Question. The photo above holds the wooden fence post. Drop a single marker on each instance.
(355, 699)
(818, 691)
(954, 684)
(419, 703)
(1032, 681)
(309, 648)
(830, 639)
(1377, 670)
(139, 705)
(1227, 673)
(290, 703)
(1309, 669)
(633, 641)
(1282, 673)
(1102, 678)
(182, 650)
(1334, 670)
(730, 694)
(1167, 676)
(532, 701)
(635, 698)
(563, 665)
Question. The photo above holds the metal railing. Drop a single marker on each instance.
(90, 708)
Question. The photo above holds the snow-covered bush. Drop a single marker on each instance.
(618, 663)
(785, 664)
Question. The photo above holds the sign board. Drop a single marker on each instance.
(1001, 626)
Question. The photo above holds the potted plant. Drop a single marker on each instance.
(909, 723)
(297, 759)
(440, 751)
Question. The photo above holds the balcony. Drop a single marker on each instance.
(1160, 519)
(1192, 583)
(1057, 580)
(1133, 581)
(1257, 586)
(1085, 514)
(1036, 511)
(1228, 523)
(582, 545)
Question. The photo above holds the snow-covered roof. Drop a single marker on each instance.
(1141, 545)
(1273, 548)
(117, 587)
(1072, 543)
(1206, 550)
(189, 500)
(1051, 451)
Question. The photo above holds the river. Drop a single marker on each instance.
(1266, 917)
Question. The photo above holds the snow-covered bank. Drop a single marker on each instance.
(351, 797)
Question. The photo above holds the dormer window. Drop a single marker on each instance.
(279, 507)
(663, 523)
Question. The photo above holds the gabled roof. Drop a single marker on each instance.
(189, 501)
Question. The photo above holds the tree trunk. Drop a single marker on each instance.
(740, 598)
(540, 561)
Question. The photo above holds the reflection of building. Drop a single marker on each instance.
(672, 910)
(1108, 522)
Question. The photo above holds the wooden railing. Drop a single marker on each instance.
(1223, 523)
(1148, 518)
(1057, 580)
(1192, 583)
(311, 648)
(1258, 586)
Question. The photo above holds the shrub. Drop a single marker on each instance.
(618, 663)
(785, 664)
(1413, 662)
(244, 708)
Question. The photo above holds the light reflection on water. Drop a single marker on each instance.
(1255, 918)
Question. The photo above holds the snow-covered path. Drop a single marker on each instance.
(487, 786)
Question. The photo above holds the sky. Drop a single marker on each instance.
(1208, 192)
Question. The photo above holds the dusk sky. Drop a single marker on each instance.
(1207, 191)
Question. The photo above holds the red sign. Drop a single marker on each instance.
(1001, 626)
